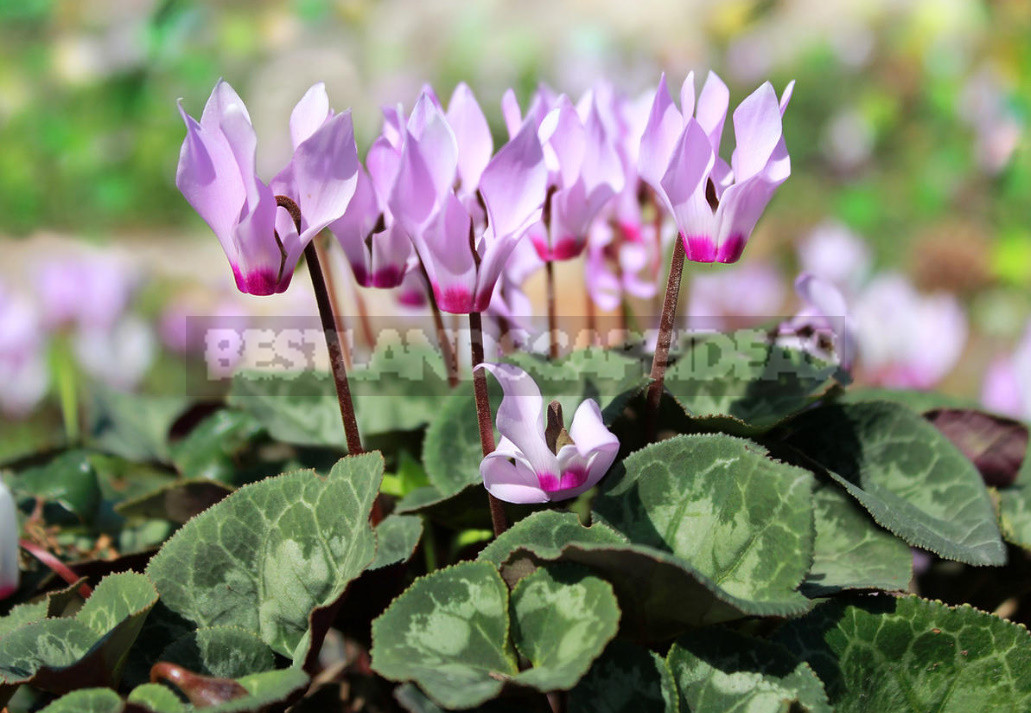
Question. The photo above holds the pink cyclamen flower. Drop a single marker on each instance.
(835, 253)
(9, 574)
(736, 297)
(24, 377)
(585, 173)
(535, 464)
(90, 289)
(216, 174)
(463, 247)
(823, 327)
(907, 340)
(621, 260)
(1007, 381)
(715, 204)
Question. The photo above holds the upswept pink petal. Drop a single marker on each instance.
(521, 416)
(325, 173)
(435, 141)
(383, 161)
(223, 97)
(511, 112)
(602, 167)
(413, 198)
(740, 208)
(687, 96)
(683, 186)
(514, 183)
(310, 113)
(665, 125)
(713, 103)
(757, 131)
(785, 98)
(361, 215)
(584, 462)
(209, 179)
(511, 481)
(564, 142)
(472, 134)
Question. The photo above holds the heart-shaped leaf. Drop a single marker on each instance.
(717, 670)
(449, 632)
(852, 551)
(910, 477)
(60, 655)
(222, 652)
(910, 654)
(723, 507)
(397, 536)
(546, 533)
(272, 552)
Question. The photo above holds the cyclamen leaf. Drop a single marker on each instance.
(546, 533)
(272, 552)
(213, 449)
(178, 500)
(563, 617)
(397, 536)
(87, 700)
(746, 386)
(717, 670)
(911, 479)
(221, 652)
(852, 551)
(60, 655)
(910, 654)
(449, 632)
(995, 445)
(1014, 507)
(723, 507)
(627, 678)
(157, 698)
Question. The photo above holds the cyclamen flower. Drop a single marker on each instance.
(621, 261)
(715, 205)
(1007, 382)
(824, 324)
(90, 290)
(835, 253)
(736, 297)
(463, 257)
(23, 372)
(216, 174)
(538, 464)
(907, 340)
(9, 574)
(585, 173)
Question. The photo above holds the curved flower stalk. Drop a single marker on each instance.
(23, 373)
(907, 340)
(715, 204)
(216, 174)
(464, 255)
(9, 575)
(823, 327)
(537, 462)
(1007, 381)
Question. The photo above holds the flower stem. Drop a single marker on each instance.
(549, 267)
(497, 510)
(329, 329)
(331, 288)
(669, 313)
(56, 566)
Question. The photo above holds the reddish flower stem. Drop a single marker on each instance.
(497, 510)
(331, 288)
(669, 313)
(549, 267)
(56, 566)
(329, 329)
